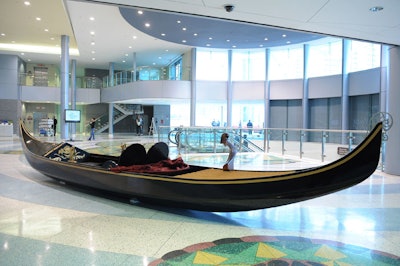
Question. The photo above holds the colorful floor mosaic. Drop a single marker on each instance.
(276, 251)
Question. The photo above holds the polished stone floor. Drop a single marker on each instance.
(43, 222)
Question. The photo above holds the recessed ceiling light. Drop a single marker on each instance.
(134, 37)
(46, 30)
(93, 52)
(27, 3)
(38, 19)
(208, 44)
(52, 38)
(3, 34)
(91, 18)
(147, 25)
(194, 34)
(93, 59)
(184, 41)
(288, 42)
(183, 28)
(178, 21)
(163, 34)
(126, 55)
(92, 43)
(376, 9)
(210, 38)
(140, 12)
(130, 47)
(265, 39)
(283, 35)
(233, 46)
(228, 40)
(92, 33)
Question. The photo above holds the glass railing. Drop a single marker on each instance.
(315, 144)
(28, 79)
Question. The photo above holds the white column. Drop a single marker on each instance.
(392, 165)
(64, 74)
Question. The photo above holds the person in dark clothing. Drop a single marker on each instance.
(250, 127)
(92, 125)
(54, 125)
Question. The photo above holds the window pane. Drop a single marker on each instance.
(211, 65)
(248, 65)
(364, 55)
(286, 63)
(208, 112)
(325, 59)
(249, 110)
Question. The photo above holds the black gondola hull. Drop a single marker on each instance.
(220, 192)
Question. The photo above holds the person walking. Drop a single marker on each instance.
(92, 125)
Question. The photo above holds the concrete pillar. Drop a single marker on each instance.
(345, 86)
(229, 91)
(73, 95)
(193, 90)
(134, 66)
(305, 100)
(392, 165)
(64, 75)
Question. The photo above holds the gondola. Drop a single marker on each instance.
(196, 187)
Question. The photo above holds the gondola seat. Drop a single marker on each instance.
(134, 154)
(158, 152)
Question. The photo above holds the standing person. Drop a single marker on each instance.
(92, 125)
(54, 125)
(232, 152)
(250, 126)
(139, 125)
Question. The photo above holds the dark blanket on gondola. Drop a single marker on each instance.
(164, 166)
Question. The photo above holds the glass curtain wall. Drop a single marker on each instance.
(364, 55)
(325, 59)
(248, 65)
(286, 63)
(212, 65)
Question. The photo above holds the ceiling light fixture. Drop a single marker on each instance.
(27, 3)
(376, 9)
(91, 18)
(140, 12)
(147, 25)
(38, 19)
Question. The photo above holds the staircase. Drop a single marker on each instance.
(120, 112)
